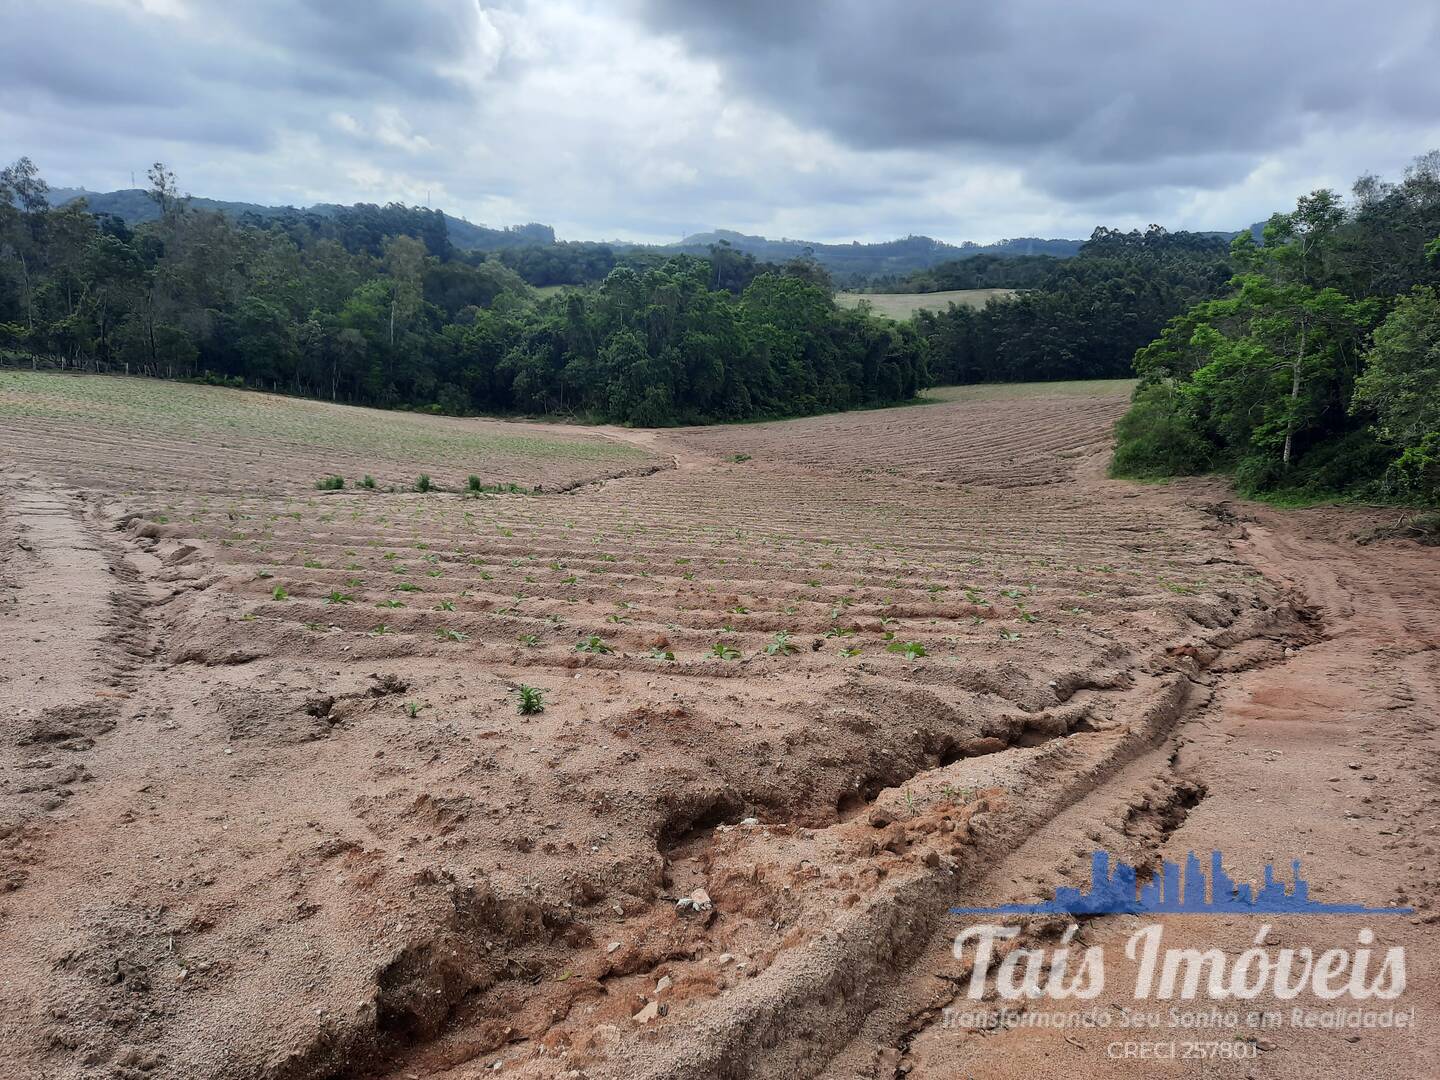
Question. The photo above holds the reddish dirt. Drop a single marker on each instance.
(310, 836)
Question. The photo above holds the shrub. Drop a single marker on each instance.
(1416, 473)
(368, 482)
(1156, 437)
(330, 483)
(422, 482)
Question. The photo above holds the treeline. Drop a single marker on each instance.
(1317, 372)
(1078, 318)
(374, 306)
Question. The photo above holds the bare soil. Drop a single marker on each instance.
(268, 808)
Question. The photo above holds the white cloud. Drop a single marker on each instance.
(607, 122)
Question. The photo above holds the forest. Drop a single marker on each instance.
(374, 305)
(1077, 318)
(1317, 371)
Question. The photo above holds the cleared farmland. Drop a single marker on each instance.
(109, 432)
(903, 305)
(282, 814)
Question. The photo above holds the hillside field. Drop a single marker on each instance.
(903, 305)
(612, 776)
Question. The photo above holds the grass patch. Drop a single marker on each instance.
(901, 306)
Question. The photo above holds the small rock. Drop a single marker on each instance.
(750, 822)
(648, 1013)
(700, 900)
(723, 959)
(894, 838)
(611, 947)
(664, 984)
(879, 818)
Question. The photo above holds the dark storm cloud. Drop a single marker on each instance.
(231, 61)
(337, 46)
(1098, 96)
(831, 120)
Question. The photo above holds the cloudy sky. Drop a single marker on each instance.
(649, 119)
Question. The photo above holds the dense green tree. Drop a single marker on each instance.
(1298, 380)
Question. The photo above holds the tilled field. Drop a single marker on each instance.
(1032, 438)
(273, 809)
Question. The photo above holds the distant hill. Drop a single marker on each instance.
(853, 263)
(133, 205)
(888, 257)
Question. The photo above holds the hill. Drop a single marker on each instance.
(888, 257)
(901, 256)
(134, 205)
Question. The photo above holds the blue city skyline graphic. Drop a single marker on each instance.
(1120, 892)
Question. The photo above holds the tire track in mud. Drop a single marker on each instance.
(71, 637)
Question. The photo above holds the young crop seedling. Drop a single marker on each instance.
(390, 603)
(850, 650)
(279, 593)
(412, 709)
(532, 700)
(1009, 635)
(660, 654)
(593, 644)
(445, 605)
(381, 628)
(911, 650)
(530, 641)
(338, 597)
(447, 634)
(781, 645)
(721, 651)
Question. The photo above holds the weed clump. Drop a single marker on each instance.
(532, 700)
(330, 483)
(423, 483)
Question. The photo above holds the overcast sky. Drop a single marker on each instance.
(649, 119)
